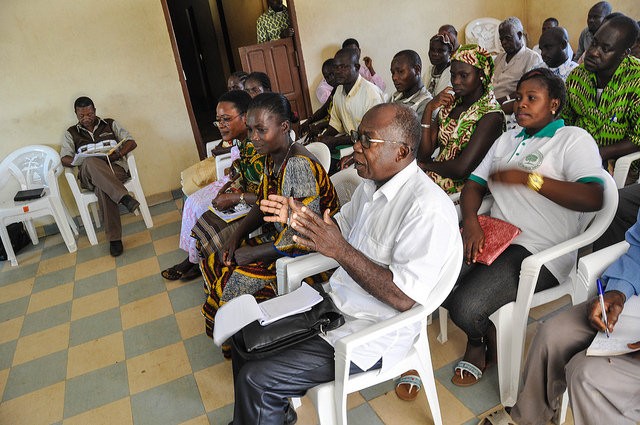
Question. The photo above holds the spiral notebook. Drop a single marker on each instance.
(498, 235)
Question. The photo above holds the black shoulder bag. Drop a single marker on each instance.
(255, 341)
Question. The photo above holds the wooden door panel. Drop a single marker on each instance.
(278, 60)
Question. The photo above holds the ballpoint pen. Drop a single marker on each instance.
(604, 311)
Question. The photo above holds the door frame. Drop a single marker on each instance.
(200, 146)
(183, 82)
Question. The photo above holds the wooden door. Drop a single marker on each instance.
(279, 60)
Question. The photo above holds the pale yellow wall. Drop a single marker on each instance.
(117, 52)
(571, 14)
(383, 28)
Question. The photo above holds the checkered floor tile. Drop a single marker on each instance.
(89, 339)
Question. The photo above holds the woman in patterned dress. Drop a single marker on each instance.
(243, 181)
(248, 266)
(469, 121)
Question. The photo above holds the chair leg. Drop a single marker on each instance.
(561, 416)
(83, 209)
(322, 397)
(6, 242)
(95, 213)
(31, 230)
(144, 208)
(60, 218)
(510, 342)
(442, 315)
(72, 224)
(429, 385)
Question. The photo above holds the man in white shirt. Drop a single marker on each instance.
(516, 59)
(391, 241)
(553, 45)
(352, 99)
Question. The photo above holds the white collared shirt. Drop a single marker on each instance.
(417, 101)
(507, 75)
(563, 70)
(410, 226)
(566, 154)
(349, 108)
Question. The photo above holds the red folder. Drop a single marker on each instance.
(498, 235)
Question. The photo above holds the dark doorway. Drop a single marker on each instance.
(206, 36)
(201, 60)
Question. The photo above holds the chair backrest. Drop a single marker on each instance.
(346, 182)
(484, 32)
(223, 162)
(322, 154)
(593, 226)
(32, 166)
(621, 168)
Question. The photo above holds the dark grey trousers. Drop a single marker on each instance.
(481, 290)
(262, 387)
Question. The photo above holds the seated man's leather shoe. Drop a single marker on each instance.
(115, 248)
(130, 202)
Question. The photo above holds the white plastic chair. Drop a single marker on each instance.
(34, 167)
(484, 32)
(346, 181)
(322, 154)
(330, 398)
(622, 166)
(86, 198)
(511, 319)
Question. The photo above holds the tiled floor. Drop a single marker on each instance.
(89, 339)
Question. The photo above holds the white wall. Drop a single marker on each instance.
(118, 53)
(383, 28)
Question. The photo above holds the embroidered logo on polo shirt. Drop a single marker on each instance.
(532, 160)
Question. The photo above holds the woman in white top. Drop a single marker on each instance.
(541, 178)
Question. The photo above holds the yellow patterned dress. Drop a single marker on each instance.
(308, 183)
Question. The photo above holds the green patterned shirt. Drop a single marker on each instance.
(271, 23)
(616, 117)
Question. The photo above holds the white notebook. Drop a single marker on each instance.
(240, 311)
(626, 330)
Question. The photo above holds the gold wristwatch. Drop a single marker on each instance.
(535, 181)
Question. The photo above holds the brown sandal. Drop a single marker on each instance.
(406, 384)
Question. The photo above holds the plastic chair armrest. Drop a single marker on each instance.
(294, 269)
(401, 321)
(622, 166)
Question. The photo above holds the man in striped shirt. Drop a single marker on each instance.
(604, 92)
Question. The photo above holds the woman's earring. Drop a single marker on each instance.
(553, 112)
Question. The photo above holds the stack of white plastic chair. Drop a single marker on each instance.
(484, 32)
(86, 198)
(33, 167)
